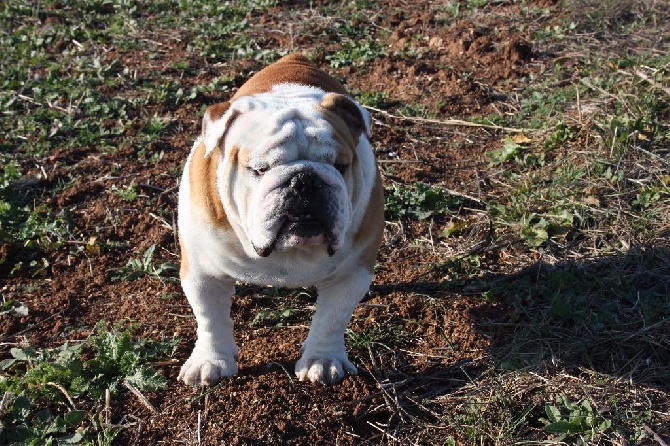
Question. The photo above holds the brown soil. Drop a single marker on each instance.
(461, 69)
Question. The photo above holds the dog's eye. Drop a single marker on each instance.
(258, 171)
(341, 167)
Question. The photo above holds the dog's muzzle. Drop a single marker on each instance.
(306, 214)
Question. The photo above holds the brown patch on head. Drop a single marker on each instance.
(346, 110)
(204, 192)
(242, 157)
(291, 69)
(216, 111)
(371, 231)
(345, 119)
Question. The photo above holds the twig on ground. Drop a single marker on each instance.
(141, 397)
(108, 399)
(657, 437)
(391, 402)
(400, 161)
(384, 432)
(64, 392)
(462, 195)
(649, 80)
(450, 122)
(199, 429)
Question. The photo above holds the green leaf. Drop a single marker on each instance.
(552, 412)
(509, 151)
(74, 417)
(75, 438)
(563, 427)
(23, 354)
(147, 256)
(22, 404)
(534, 236)
(43, 415)
(6, 363)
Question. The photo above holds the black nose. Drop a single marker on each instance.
(305, 181)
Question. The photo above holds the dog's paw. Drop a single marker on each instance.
(201, 371)
(325, 368)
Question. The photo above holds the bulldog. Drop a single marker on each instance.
(282, 189)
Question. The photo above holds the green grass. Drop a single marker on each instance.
(38, 385)
(138, 268)
(419, 202)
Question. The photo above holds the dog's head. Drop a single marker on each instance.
(291, 174)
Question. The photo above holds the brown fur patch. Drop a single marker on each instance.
(204, 193)
(242, 157)
(216, 111)
(342, 133)
(346, 110)
(293, 69)
(184, 264)
(370, 233)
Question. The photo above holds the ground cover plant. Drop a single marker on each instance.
(522, 290)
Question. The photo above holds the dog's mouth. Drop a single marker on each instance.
(300, 230)
(304, 210)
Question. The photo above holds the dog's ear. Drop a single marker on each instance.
(215, 124)
(356, 117)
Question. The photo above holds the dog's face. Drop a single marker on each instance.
(291, 176)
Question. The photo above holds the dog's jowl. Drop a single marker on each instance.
(280, 189)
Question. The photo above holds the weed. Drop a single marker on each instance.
(14, 308)
(419, 202)
(510, 151)
(155, 126)
(376, 99)
(377, 335)
(104, 432)
(37, 230)
(277, 317)
(468, 267)
(127, 193)
(25, 426)
(562, 134)
(490, 405)
(138, 268)
(284, 310)
(356, 53)
(574, 421)
(65, 372)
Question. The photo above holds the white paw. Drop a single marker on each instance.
(328, 368)
(201, 371)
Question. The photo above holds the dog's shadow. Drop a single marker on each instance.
(604, 319)
(607, 316)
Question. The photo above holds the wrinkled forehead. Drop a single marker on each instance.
(282, 132)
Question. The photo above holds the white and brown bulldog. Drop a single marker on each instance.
(281, 189)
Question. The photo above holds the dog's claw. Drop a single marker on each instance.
(324, 369)
(205, 372)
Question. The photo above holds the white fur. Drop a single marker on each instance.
(285, 132)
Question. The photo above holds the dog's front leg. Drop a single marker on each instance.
(215, 353)
(324, 358)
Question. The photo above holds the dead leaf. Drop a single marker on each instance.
(520, 138)
(591, 201)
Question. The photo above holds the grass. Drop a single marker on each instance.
(420, 201)
(70, 375)
(138, 268)
(563, 262)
